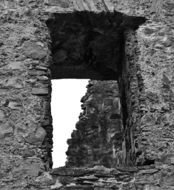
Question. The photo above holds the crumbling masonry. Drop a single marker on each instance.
(124, 138)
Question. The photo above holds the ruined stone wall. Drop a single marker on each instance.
(98, 137)
(86, 44)
(147, 78)
(153, 59)
(25, 119)
(25, 89)
(101, 178)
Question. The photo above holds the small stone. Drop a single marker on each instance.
(42, 68)
(40, 44)
(40, 134)
(88, 178)
(79, 187)
(148, 171)
(15, 65)
(172, 160)
(14, 105)
(31, 167)
(61, 3)
(169, 181)
(40, 91)
(2, 115)
(57, 185)
(43, 78)
(45, 179)
(13, 82)
(168, 159)
(1, 43)
(28, 153)
(75, 172)
(115, 116)
(149, 31)
(34, 51)
(37, 137)
(5, 131)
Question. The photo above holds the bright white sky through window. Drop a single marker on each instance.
(65, 108)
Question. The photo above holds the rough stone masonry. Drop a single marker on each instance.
(130, 116)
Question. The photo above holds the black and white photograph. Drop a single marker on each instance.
(86, 94)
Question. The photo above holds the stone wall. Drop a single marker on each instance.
(98, 137)
(154, 54)
(159, 177)
(25, 92)
(88, 44)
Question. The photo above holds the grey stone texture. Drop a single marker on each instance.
(25, 92)
(146, 84)
(98, 138)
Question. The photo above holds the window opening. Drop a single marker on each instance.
(86, 45)
(65, 107)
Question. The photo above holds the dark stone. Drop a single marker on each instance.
(1, 43)
(97, 138)
(115, 116)
(79, 187)
(76, 172)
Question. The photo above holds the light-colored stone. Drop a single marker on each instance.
(33, 50)
(16, 65)
(37, 137)
(40, 91)
(5, 131)
(57, 185)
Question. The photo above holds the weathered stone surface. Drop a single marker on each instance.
(23, 48)
(34, 50)
(37, 137)
(99, 137)
(141, 178)
(2, 115)
(40, 91)
(63, 171)
(5, 131)
(146, 84)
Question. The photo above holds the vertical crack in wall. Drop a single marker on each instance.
(123, 99)
(122, 82)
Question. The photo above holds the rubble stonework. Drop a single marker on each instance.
(98, 138)
(145, 89)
